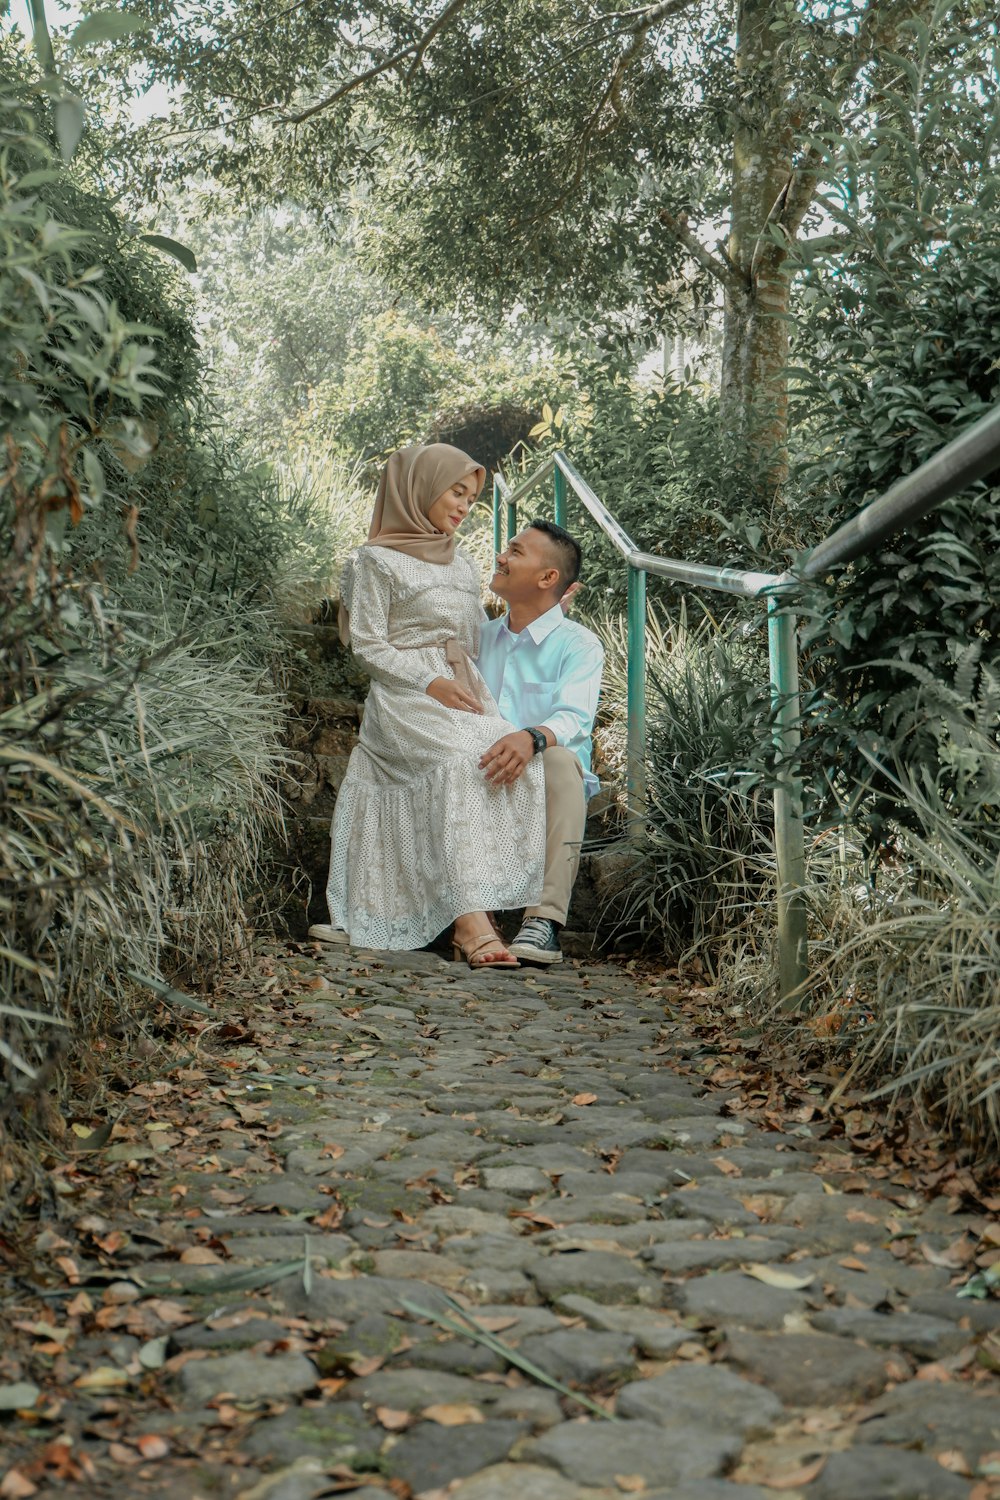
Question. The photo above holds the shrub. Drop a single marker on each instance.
(139, 725)
(407, 382)
(707, 855)
(904, 997)
(909, 361)
(657, 457)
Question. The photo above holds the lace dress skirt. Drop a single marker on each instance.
(419, 836)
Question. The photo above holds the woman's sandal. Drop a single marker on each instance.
(493, 950)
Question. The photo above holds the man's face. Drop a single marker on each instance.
(522, 567)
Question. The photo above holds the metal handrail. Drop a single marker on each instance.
(965, 459)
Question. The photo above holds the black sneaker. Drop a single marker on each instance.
(537, 942)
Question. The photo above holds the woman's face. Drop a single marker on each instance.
(450, 509)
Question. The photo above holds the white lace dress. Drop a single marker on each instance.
(419, 836)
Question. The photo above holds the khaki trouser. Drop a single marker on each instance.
(565, 819)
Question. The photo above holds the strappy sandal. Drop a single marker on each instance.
(478, 954)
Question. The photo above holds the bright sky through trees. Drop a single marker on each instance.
(62, 16)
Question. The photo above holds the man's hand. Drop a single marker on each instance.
(447, 691)
(505, 761)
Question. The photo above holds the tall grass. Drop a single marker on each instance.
(707, 857)
(908, 970)
(325, 504)
(328, 503)
(147, 579)
(137, 784)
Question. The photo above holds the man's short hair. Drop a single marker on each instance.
(567, 550)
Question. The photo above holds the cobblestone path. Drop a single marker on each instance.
(750, 1314)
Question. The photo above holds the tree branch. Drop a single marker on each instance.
(611, 95)
(415, 49)
(774, 217)
(722, 269)
(450, 10)
(647, 19)
(801, 191)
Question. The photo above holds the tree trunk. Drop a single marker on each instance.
(755, 341)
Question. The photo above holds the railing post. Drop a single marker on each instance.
(636, 702)
(497, 538)
(789, 838)
(559, 488)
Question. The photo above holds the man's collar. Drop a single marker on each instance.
(540, 627)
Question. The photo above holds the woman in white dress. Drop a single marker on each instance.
(420, 838)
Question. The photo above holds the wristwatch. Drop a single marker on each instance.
(538, 740)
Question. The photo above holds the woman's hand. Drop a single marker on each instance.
(447, 691)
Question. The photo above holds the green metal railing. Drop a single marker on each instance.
(957, 465)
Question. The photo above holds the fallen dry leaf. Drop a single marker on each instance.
(226, 1195)
(200, 1255)
(954, 1257)
(392, 1419)
(935, 1371)
(173, 1314)
(330, 1217)
(16, 1486)
(955, 1462)
(796, 1478)
(453, 1413)
(726, 1167)
(545, 1221)
(584, 1099)
(771, 1276)
(632, 1484)
(151, 1445)
(767, 1206)
(226, 1415)
(121, 1453)
(113, 1242)
(103, 1378)
(851, 1263)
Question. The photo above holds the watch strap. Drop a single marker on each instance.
(538, 740)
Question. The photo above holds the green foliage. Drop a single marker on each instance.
(909, 362)
(707, 857)
(905, 988)
(387, 388)
(654, 456)
(406, 381)
(139, 725)
(898, 356)
(281, 302)
(524, 155)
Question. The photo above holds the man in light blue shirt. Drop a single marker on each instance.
(544, 670)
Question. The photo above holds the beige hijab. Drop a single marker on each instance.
(411, 481)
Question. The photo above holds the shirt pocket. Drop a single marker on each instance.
(537, 699)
